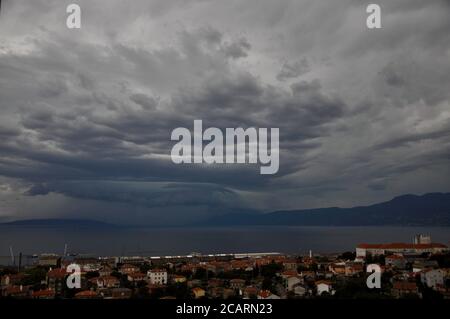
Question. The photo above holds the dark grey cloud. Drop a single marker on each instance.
(292, 70)
(237, 49)
(86, 115)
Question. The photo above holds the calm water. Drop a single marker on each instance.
(168, 241)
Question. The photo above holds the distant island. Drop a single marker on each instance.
(60, 223)
(431, 209)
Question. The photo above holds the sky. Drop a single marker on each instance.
(86, 114)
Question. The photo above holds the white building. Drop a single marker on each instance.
(324, 286)
(157, 276)
(422, 239)
(291, 282)
(432, 278)
(362, 250)
(300, 290)
(266, 294)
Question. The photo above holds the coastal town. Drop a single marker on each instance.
(420, 269)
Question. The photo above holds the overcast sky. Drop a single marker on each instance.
(86, 115)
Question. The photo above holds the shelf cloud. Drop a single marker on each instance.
(86, 114)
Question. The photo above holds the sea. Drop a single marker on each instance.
(89, 241)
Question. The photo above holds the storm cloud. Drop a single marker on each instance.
(86, 115)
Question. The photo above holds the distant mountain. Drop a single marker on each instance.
(431, 209)
(59, 223)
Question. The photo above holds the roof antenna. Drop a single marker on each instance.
(11, 252)
(20, 262)
(65, 250)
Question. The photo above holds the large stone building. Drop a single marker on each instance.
(362, 250)
(157, 276)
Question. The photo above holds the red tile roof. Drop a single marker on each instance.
(395, 257)
(237, 281)
(264, 293)
(44, 293)
(404, 285)
(128, 266)
(157, 270)
(251, 290)
(289, 273)
(86, 294)
(13, 290)
(318, 282)
(58, 273)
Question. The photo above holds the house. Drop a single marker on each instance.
(403, 288)
(121, 293)
(157, 276)
(237, 284)
(289, 273)
(178, 279)
(136, 277)
(86, 294)
(353, 268)
(215, 282)
(293, 281)
(11, 279)
(88, 264)
(107, 282)
(16, 291)
(308, 275)
(56, 280)
(300, 290)
(127, 269)
(105, 270)
(49, 261)
(198, 292)
(228, 293)
(242, 264)
(194, 283)
(215, 292)
(396, 261)
(421, 265)
(250, 292)
(446, 272)
(155, 288)
(324, 286)
(138, 261)
(337, 268)
(432, 278)
(189, 268)
(308, 261)
(290, 264)
(263, 261)
(267, 294)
